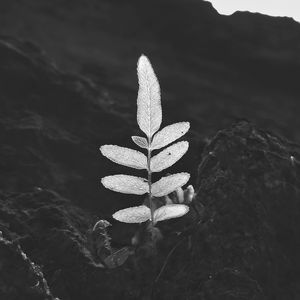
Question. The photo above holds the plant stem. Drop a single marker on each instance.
(149, 180)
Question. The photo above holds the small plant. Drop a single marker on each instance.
(149, 118)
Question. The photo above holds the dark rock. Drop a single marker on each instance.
(247, 245)
(20, 278)
(51, 126)
(55, 235)
(239, 241)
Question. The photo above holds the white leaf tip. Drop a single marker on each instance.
(143, 58)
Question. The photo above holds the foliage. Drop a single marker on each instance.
(149, 118)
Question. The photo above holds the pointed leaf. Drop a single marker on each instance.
(169, 134)
(125, 156)
(170, 211)
(126, 184)
(149, 114)
(168, 157)
(168, 184)
(136, 214)
(140, 141)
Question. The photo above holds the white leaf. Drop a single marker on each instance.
(117, 258)
(126, 184)
(169, 134)
(140, 141)
(136, 214)
(125, 156)
(180, 195)
(168, 157)
(189, 194)
(149, 114)
(168, 184)
(170, 211)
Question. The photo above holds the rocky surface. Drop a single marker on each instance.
(51, 126)
(20, 278)
(214, 68)
(247, 245)
(240, 239)
(55, 235)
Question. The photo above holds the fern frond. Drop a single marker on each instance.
(149, 118)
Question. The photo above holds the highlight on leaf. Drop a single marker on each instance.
(149, 118)
(168, 184)
(140, 141)
(170, 211)
(168, 156)
(136, 214)
(142, 213)
(149, 113)
(125, 156)
(126, 184)
(169, 134)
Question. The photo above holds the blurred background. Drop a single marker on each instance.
(68, 84)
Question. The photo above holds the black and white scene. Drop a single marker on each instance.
(149, 150)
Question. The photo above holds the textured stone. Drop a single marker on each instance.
(246, 245)
(20, 278)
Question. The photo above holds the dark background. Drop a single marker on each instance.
(213, 70)
(68, 85)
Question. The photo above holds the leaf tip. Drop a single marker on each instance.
(142, 60)
(102, 149)
(103, 180)
(187, 126)
(188, 176)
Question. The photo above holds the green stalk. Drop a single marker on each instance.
(149, 180)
